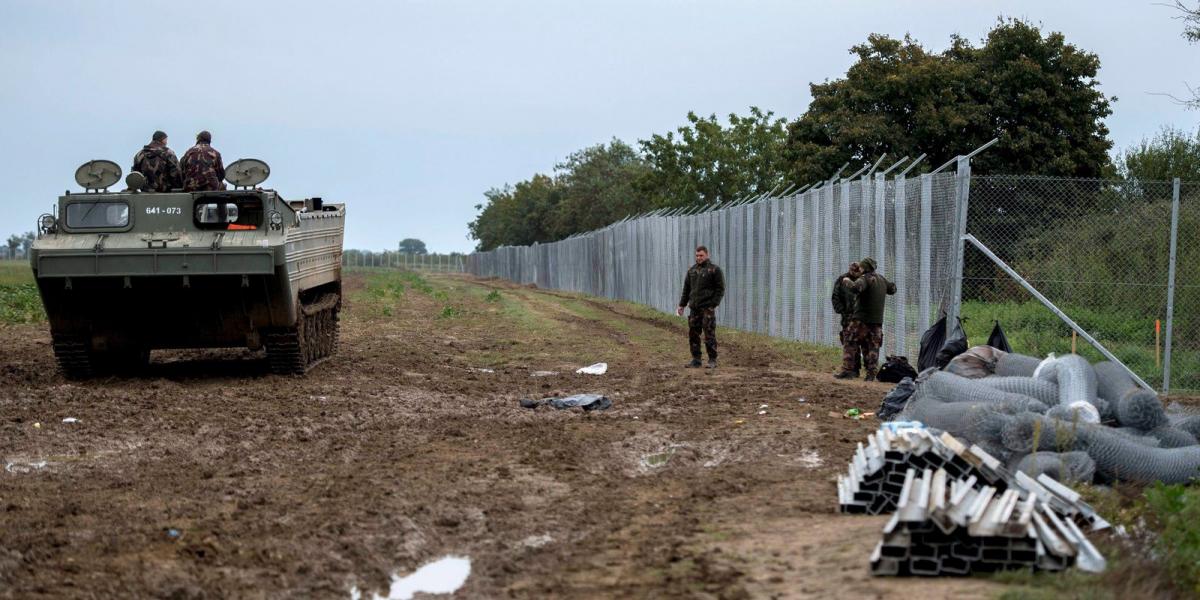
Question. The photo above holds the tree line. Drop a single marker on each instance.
(1034, 91)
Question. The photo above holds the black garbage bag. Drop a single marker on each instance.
(931, 343)
(998, 340)
(956, 343)
(896, 399)
(938, 348)
(894, 369)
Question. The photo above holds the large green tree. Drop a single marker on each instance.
(1034, 91)
(517, 215)
(1172, 153)
(412, 246)
(598, 187)
(705, 161)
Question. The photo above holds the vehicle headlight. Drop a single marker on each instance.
(276, 220)
(47, 223)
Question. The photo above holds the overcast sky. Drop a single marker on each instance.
(409, 111)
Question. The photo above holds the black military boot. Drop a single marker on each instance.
(846, 375)
(870, 377)
(712, 363)
(695, 364)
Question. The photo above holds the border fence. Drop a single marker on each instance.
(444, 263)
(1113, 261)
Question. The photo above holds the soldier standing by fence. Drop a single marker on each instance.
(866, 328)
(843, 304)
(703, 288)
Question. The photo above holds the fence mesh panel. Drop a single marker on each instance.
(1097, 249)
(780, 255)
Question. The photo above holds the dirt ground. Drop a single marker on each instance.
(208, 478)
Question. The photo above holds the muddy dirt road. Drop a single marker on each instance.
(208, 478)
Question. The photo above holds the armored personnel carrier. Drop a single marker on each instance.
(121, 273)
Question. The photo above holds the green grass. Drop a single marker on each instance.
(1032, 329)
(1174, 511)
(19, 299)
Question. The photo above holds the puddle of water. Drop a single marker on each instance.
(658, 459)
(442, 576)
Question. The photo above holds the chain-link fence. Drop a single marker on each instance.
(781, 256)
(1100, 251)
(444, 263)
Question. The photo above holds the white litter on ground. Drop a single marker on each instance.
(543, 373)
(442, 576)
(70, 420)
(25, 467)
(537, 541)
(596, 369)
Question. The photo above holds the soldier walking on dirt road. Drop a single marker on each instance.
(843, 304)
(703, 288)
(866, 327)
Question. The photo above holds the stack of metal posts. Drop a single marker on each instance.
(958, 510)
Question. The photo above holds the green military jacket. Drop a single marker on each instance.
(843, 298)
(871, 292)
(703, 286)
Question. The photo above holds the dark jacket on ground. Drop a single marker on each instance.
(843, 298)
(871, 292)
(703, 286)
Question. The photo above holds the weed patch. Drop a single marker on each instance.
(20, 303)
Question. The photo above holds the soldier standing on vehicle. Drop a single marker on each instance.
(158, 164)
(843, 304)
(703, 288)
(202, 168)
(866, 327)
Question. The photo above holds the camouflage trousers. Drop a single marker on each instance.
(861, 341)
(703, 321)
(851, 356)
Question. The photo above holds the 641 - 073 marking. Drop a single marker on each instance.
(164, 210)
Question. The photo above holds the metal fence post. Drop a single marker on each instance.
(773, 261)
(900, 272)
(865, 199)
(962, 187)
(1166, 386)
(880, 222)
(828, 333)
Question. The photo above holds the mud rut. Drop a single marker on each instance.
(208, 477)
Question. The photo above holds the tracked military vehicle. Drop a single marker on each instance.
(121, 273)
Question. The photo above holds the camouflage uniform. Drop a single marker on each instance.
(158, 164)
(202, 169)
(866, 327)
(703, 289)
(843, 304)
(861, 341)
